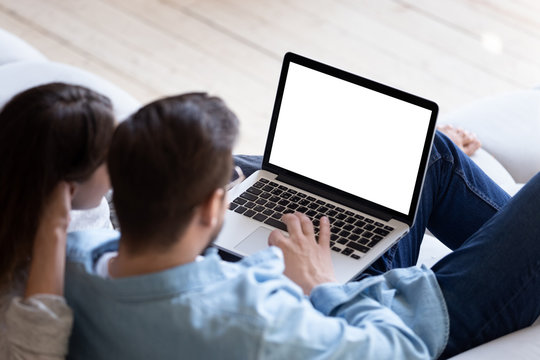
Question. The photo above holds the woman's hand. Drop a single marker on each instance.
(307, 262)
(47, 266)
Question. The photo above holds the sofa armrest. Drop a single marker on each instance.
(508, 126)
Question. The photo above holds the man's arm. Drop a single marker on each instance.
(356, 319)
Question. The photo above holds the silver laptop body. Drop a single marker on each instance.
(342, 146)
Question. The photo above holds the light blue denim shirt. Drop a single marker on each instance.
(212, 309)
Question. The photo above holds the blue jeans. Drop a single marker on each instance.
(491, 281)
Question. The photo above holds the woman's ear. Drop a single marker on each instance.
(73, 189)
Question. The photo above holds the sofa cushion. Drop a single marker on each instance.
(19, 76)
(13, 49)
(508, 126)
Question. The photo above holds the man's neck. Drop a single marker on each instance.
(129, 263)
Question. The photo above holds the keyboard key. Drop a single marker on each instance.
(320, 202)
(359, 223)
(363, 241)
(301, 195)
(323, 209)
(348, 227)
(350, 213)
(259, 208)
(268, 188)
(274, 184)
(367, 235)
(311, 213)
(276, 224)
(369, 221)
(249, 205)
(268, 212)
(350, 220)
(379, 224)
(302, 209)
(375, 239)
(270, 205)
(381, 232)
(281, 187)
(265, 195)
(293, 206)
(279, 208)
(358, 247)
(341, 216)
(232, 206)
(240, 209)
(254, 191)
(277, 215)
(313, 206)
(347, 251)
(283, 202)
(334, 237)
(369, 227)
(354, 237)
(340, 210)
(260, 217)
(291, 191)
(286, 195)
(296, 198)
(330, 206)
(389, 228)
(335, 248)
(258, 185)
(248, 196)
(359, 217)
(342, 241)
(263, 180)
(260, 201)
(358, 231)
(331, 212)
(274, 198)
(276, 191)
(239, 201)
(354, 256)
(311, 198)
(344, 233)
(249, 213)
(339, 223)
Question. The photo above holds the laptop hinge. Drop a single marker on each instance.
(341, 199)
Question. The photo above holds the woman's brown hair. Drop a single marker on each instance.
(50, 133)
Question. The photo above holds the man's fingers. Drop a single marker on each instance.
(324, 232)
(306, 224)
(293, 224)
(276, 238)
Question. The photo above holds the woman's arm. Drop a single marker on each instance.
(39, 325)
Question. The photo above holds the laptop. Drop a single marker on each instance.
(341, 146)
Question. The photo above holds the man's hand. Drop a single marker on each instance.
(307, 262)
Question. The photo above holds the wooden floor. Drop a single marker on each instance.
(450, 51)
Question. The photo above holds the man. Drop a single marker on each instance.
(169, 165)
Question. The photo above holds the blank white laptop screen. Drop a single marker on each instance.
(350, 137)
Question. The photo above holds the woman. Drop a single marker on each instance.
(53, 144)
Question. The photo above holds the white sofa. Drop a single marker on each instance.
(508, 125)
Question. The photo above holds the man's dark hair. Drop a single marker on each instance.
(164, 161)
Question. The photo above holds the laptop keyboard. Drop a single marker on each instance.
(351, 234)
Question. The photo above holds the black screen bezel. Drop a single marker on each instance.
(331, 192)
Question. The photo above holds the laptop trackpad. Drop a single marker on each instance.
(256, 241)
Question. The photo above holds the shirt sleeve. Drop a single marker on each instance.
(38, 327)
(371, 319)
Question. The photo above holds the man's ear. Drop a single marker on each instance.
(212, 209)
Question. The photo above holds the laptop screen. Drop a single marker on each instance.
(350, 137)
